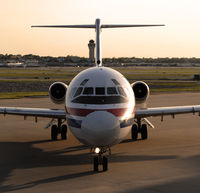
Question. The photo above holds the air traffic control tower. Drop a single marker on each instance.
(91, 46)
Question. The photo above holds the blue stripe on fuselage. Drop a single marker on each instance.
(77, 123)
(127, 123)
(74, 122)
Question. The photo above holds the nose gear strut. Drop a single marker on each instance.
(99, 159)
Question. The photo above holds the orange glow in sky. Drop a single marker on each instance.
(179, 38)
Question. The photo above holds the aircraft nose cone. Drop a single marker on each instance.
(101, 128)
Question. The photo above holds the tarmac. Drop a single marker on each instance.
(169, 161)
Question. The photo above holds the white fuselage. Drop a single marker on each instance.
(100, 106)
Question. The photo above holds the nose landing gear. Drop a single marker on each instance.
(98, 159)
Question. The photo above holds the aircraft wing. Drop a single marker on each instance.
(60, 113)
(35, 112)
(161, 111)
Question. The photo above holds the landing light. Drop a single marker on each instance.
(97, 150)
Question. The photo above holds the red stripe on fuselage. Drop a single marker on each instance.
(84, 112)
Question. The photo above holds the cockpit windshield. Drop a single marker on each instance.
(121, 91)
(112, 91)
(88, 91)
(87, 94)
(100, 91)
(78, 91)
(100, 95)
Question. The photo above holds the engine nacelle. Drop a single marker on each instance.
(57, 92)
(141, 91)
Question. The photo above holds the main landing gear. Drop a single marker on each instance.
(59, 129)
(99, 159)
(139, 128)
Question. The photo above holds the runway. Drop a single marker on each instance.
(169, 161)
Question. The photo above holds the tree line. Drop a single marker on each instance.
(77, 59)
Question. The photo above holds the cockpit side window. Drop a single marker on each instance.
(84, 82)
(78, 91)
(115, 82)
(121, 91)
(100, 90)
(111, 91)
(72, 93)
(88, 91)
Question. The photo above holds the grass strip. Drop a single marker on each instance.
(16, 95)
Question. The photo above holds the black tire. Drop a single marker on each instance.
(134, 132)
(105, 163)
(96, 164)
(144, 132)
(54, 132)
(64, 132)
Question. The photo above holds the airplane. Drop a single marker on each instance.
(99, 105)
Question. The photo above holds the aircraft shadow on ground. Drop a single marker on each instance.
(23, 155)
(183, 185)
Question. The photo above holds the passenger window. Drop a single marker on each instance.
(88, 90)
(100, 91)
(121, 91)
(111, 90)
(78, 91)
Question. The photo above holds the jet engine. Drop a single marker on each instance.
(57, 92)
(141, 91)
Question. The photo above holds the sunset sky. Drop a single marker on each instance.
(179, 38)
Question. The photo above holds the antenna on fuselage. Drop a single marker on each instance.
(97, 26)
